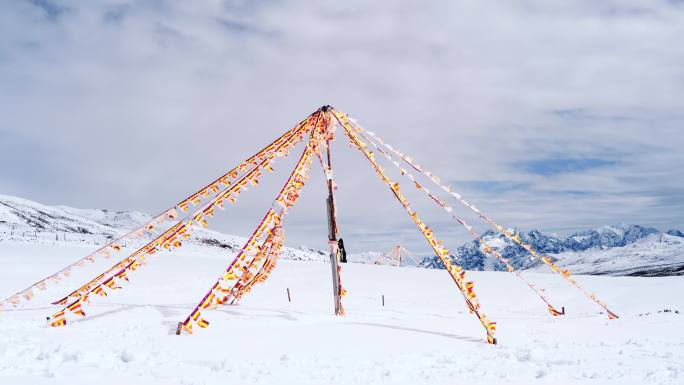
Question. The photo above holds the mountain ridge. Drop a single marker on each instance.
(652, 252)
(621, 249)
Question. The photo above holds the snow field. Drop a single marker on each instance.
(423, 335)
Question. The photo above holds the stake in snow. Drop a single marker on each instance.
(257, 258)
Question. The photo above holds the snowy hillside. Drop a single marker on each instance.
(22, 220)
(654, 255)
(364, 257)
(613, 250)
(398, 256)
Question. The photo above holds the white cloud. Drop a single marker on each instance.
(99, 98)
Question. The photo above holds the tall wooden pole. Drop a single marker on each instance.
(332, 232)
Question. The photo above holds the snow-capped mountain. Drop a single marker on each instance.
(614, 250)
(22, 220)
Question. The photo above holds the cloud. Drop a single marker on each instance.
(125, 104)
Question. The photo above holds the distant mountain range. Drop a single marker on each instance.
(613, 250)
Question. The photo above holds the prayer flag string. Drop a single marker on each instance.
(487, 249)
(238, 275)
(455, 271)
(114, 246)
(510, 235)
(169, 239)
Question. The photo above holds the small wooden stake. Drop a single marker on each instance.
(383, 300)
(289, 299)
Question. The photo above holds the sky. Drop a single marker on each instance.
(549, 115)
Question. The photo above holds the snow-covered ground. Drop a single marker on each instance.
(423, 334)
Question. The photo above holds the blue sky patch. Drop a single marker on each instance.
(494, 186)
(51, 9)
(554, 166)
